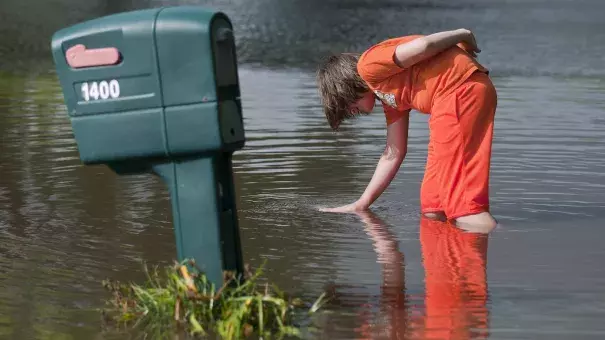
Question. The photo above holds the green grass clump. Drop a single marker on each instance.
(182, 299)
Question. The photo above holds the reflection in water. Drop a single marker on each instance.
(456, 294)
(65, 227)
(455, 281)
(393, 319)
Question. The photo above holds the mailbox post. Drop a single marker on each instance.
(157, 90)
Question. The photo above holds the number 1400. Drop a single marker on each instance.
(101, 90)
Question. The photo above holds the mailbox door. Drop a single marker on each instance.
(129, 83)
(109, 74)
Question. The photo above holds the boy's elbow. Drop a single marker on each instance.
(401, 156)
(402, 151)
(395, 154)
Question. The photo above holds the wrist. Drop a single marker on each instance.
(361, 204)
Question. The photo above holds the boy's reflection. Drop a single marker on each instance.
(391, 323)
(455, 282)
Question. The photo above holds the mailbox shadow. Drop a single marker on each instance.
(456, 291)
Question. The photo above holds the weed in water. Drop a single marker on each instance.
(183, 299)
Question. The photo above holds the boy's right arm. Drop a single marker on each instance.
(384, 60)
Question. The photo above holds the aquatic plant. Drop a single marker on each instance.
(181, 298)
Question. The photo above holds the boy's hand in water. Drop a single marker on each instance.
(349, 208)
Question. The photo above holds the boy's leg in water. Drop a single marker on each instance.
(481, 222)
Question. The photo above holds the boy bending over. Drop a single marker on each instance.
(436, 74)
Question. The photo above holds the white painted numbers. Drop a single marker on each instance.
(101, 90)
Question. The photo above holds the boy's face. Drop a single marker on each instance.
(365, 104)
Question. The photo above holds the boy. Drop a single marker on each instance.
(438, 75)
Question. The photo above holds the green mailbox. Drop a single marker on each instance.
(157, 90)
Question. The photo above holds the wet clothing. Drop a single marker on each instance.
(458, 94)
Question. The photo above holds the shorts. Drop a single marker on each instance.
(456, 178)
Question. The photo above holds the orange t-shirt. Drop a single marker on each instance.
(416, 87)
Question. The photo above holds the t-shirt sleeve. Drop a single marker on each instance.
(377, 63)
(392, 115)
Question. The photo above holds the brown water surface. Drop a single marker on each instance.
(65, 227)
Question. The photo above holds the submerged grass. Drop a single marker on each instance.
(181, 298)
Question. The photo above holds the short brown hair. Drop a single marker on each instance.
(340, 85)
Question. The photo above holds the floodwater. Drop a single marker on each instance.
(65, 227)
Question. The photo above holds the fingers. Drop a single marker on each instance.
(472, 41)
(344, 209)
(333, 210)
